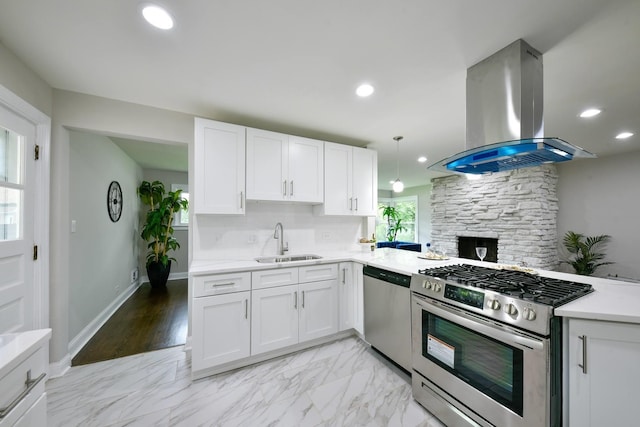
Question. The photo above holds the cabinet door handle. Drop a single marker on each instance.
(291, 193)
(356, 204)
(241, 200)
(284, 188)
(246, 308)
(295, 300)
(344, 276)
(584, 353)
(302, 299)
(351, 203)
(30, 385)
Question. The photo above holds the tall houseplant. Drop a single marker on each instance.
(586, 257)
(394, 222)
(158, 228)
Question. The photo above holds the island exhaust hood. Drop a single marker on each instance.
(504, 116)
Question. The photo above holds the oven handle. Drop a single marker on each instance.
(475, 324)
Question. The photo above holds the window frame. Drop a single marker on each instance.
(177, 223)
(391, 201)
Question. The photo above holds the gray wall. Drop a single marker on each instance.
(181, 267)
(103, 253)
(100, 116)
(602, 196)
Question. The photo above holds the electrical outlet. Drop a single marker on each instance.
(325, 235)
(134, 275)
(117, 288)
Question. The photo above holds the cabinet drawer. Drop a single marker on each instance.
(218, 284)
(13, 384)
(271, 278)
(315, 273)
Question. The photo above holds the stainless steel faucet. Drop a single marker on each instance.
(282, 247)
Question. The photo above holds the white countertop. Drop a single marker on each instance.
(15, 347)
(612, 300)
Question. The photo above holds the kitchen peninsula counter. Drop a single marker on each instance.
(612, 300)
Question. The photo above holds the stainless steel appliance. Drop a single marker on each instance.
(387, 314)
(487, 349)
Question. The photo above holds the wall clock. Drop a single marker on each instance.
(114, 201)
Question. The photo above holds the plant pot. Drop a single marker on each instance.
(158, 274)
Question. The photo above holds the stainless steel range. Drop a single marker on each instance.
(487, 349)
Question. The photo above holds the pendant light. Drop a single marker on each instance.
(398, 186)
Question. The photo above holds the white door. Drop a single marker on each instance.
(365, 181)
(274, 318)
(318, 309)
(219, 168)
(267, 162)
(338, 198)
(221, 329)
(306, 169)
(347, 302)
(17, 189)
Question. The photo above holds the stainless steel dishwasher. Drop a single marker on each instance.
(387, 314)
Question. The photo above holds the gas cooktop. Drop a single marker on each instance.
(516, 284)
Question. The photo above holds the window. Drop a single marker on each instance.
(407, 208)
(181, 219)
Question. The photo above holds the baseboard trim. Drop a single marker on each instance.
(172, 276)
(90, 330)
(58, 369)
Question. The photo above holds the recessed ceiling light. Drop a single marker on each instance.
(157, 16)
(624, 135)
(422, 159)
(591, 112)
(364, 90)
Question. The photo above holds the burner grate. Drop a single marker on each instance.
(527, 286)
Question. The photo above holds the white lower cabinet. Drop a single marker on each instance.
(240, 315)
(288, 315)
(347, 300)
(318, 309)
(602, 372)
(221, 329)
(274, 318)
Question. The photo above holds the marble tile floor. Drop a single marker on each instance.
(343, 383)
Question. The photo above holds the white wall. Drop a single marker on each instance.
(103, 253)
(602, 196)
(181, 266)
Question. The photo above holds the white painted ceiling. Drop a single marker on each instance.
(293, 65)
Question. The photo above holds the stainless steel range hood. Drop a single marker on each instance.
(504, 116)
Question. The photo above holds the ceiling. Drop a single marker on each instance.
(293, 65)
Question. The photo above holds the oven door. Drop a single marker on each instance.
(486, 369)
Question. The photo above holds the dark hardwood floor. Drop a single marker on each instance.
(150, 319)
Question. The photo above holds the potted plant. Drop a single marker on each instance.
(394, 222)
(586, 258)
(158, 228)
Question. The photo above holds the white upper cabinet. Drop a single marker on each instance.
(219, 168)
(282, 167)
(350, 181)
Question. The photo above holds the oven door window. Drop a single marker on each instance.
(492, 367)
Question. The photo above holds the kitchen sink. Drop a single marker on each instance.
(287, 258)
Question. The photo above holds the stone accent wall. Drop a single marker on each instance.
(519, 208)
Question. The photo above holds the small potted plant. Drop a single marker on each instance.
(585, 258)
(394, 222)
(158, 228)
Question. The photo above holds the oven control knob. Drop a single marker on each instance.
(529, 313)
(426, 284)
(437, 287)
(494, 304)
(511, 309)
